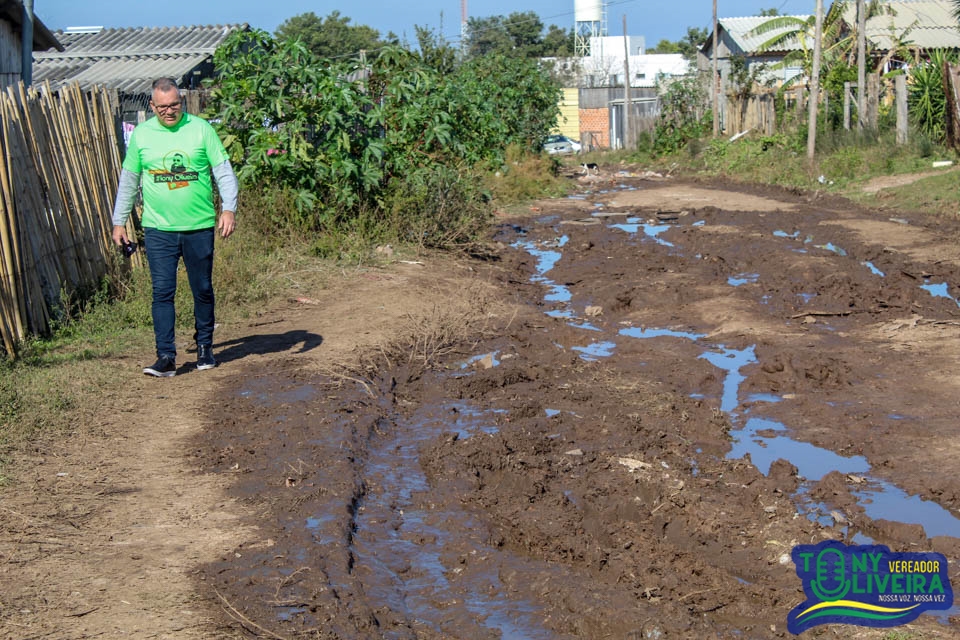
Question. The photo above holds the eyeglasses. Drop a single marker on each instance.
(163, 108)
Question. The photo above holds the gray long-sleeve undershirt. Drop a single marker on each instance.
(129, 183)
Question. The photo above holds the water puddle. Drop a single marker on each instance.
(731, 361)
(763, 397)
(742, 279)
(766, 441)
(783, 234)
(547, 259)
(831, 247)
(595, 351)
(939, 291)
(584, 325)
(812, 462)
(640, 332)
(558, 293)
(652, 231)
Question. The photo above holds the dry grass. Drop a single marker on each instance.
(423, 340)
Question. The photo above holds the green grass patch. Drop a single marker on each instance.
(845, 163)
(935, 195)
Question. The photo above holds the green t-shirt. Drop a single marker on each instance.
(174, 167)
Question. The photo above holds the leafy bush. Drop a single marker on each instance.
(335, 138)
(927, 101)
(682, 116)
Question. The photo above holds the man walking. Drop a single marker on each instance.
(172, 157)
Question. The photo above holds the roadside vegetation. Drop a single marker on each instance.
(340, 159)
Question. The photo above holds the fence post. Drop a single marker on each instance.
(846, 106)
(873, 99)
(902, 129)
(951, 84)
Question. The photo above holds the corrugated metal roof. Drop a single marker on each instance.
(130, 74)
(144, 40)
(740, 30)
(129, 59)
(928, 24)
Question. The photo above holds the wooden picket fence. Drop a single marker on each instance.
(59, 164)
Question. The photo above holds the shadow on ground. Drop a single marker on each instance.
(263, 344)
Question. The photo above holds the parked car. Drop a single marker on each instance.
(560, 144)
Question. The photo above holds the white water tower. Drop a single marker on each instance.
(591, 22)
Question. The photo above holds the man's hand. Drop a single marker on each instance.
(120, 236)
(227, 224)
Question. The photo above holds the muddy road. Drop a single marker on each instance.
(673, 384)
(616, 421)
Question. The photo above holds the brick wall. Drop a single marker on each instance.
(595, 127)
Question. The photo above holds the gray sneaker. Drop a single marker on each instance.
(205, 358)
(164, 367)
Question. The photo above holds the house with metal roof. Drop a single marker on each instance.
(11, 41)
(738, 37)
(914, 26)
(130, 59)
(901, 26)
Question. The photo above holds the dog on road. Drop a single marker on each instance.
(588, 168)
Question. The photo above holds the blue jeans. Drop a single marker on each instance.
(164, 250)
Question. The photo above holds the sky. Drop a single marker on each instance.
(652, 19)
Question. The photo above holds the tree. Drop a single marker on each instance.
(331, 37)
(559, 43)
(520, 35)
(435, 51)
(665, 46)
(768, 12)
(688, 45)
(526, 33)
(486, 36)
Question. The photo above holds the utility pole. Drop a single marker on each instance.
(814, 86)
(861, 63)
(463, 27)
(26, 50)
(714, 89)
(626, 87)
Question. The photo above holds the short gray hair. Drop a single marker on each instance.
(165, 84)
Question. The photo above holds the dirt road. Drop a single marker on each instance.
(615, 424)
